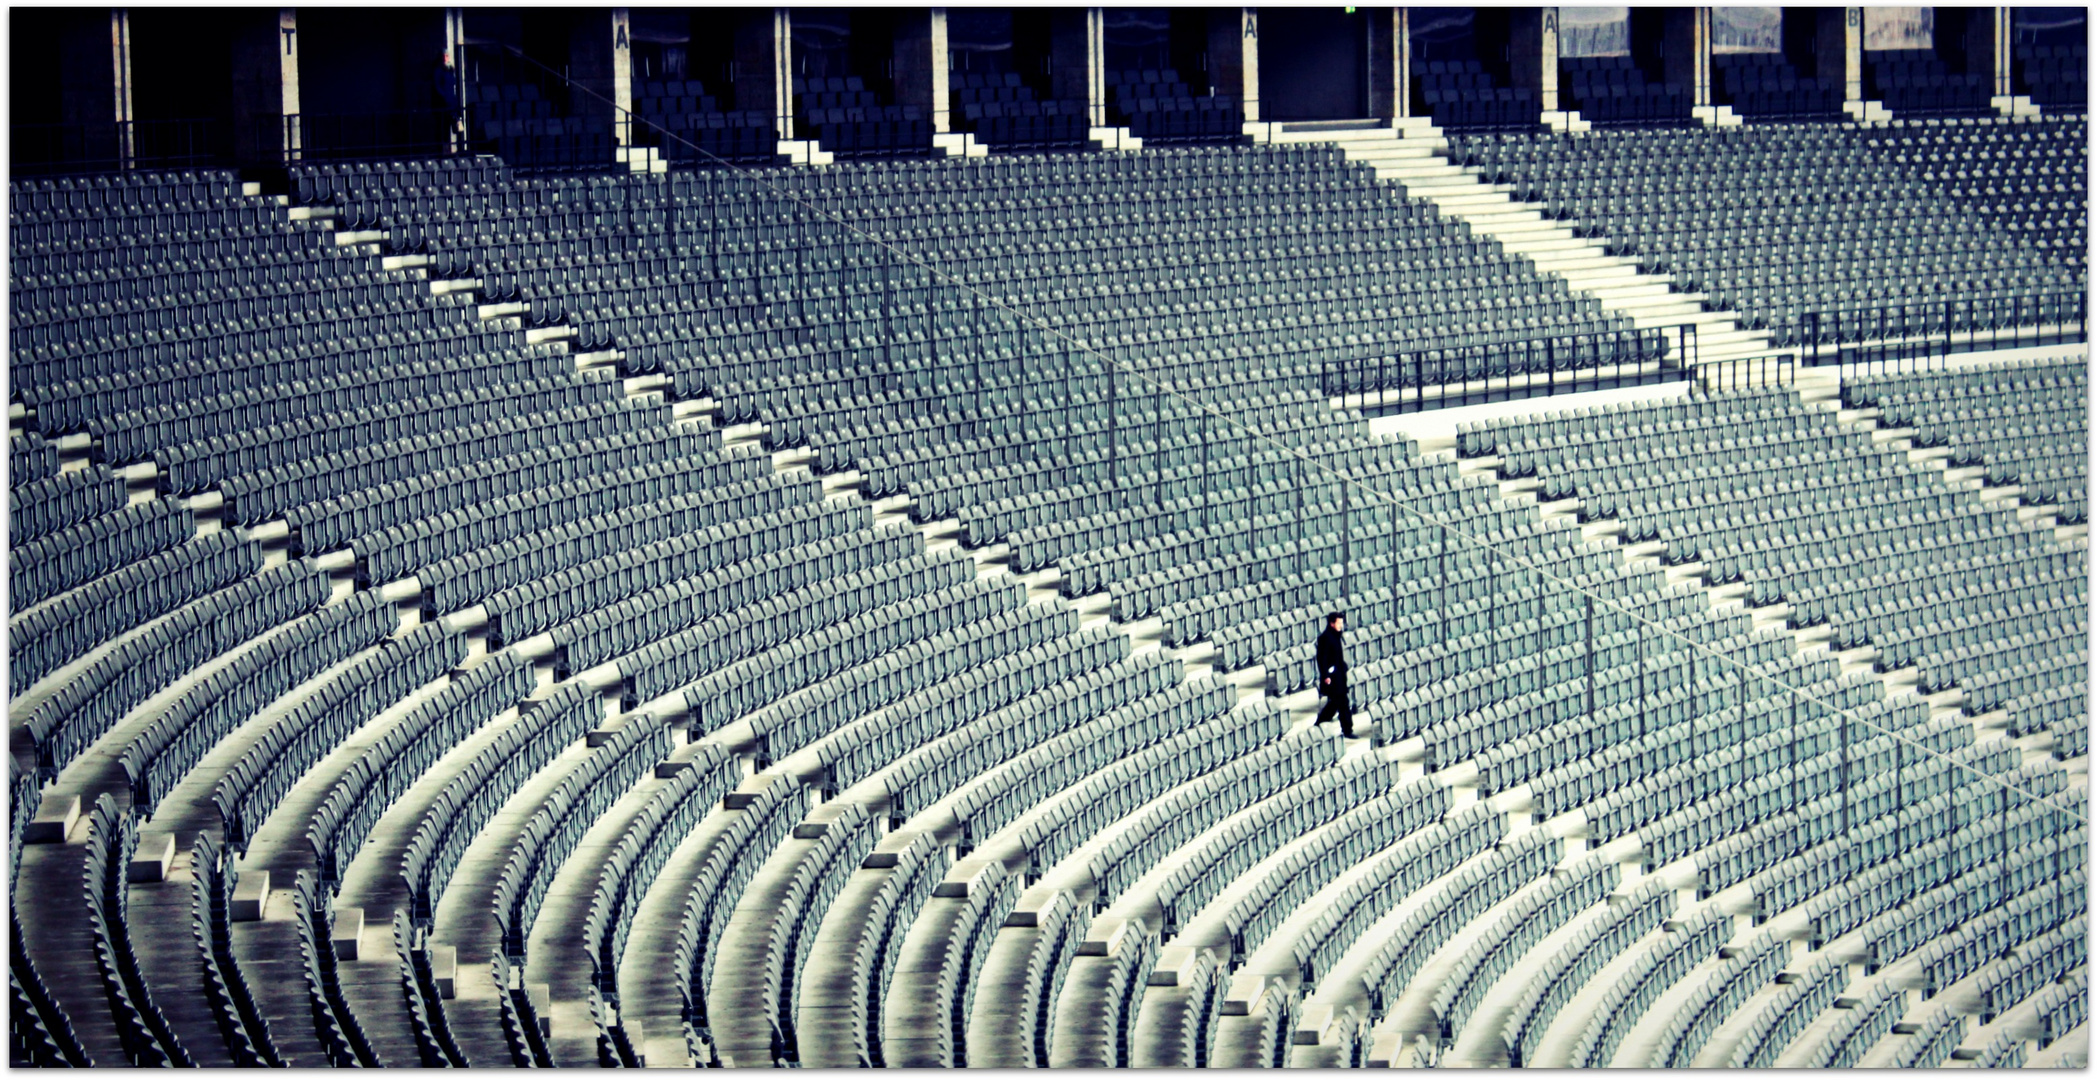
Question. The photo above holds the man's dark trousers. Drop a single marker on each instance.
(1336, 705)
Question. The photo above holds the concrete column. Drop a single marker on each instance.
(454, 61)
(763, 82)
(622, 77)
(1076, 49)
(2000, 37)
(1976, 41)
(120, 76)
(288, 80)
(1532, 53)
(1096, 66)
(921, 62)
(591, 39)
(1685, 51)
(783, 70)
(1390, 64)
(1234, 56)
(1838, 49)
(265, 83)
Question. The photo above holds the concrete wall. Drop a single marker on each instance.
(1234, 56)
(1314, 63)
(362, 60)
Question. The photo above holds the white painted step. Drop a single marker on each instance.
(1391, 148)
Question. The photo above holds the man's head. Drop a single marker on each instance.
(1335, 621)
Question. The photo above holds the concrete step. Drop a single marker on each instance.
(1380, 132)
(1391, 148)
(1734, 336)
(1465, 201)
(1670, 313)
(1426, 175)
(1514, 218)
(1588, 263)
(1521, 244)
(1712, 323)
(1632, 291)
(1502, 225)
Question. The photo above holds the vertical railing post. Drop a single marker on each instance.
(1794, 748)
(1641, 678)
(1394, 553)
(1157, 446)
(1208, 472)
(1842, 766)
(1590, 658)
(1302, 534)
(1441, 599)
(1070, 405)
(1113, 427)
(1346, 540)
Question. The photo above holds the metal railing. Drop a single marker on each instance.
(1745, 373)
(35, 149)
(1428, 377)
(349, 136)
(1922, 335)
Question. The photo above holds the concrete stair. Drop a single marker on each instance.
(2014, 105)
(803, 152)
(1718, 116)
(1112, 138)
(1867, 112)
(960, 144)
(1413, 154)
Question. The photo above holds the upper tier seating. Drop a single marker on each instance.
(518, 123)
(852, 121)
(1611, 90)
(1459, 94)
(1914, 82)
(2054, 75)
(1765, 84)
(1863, 232)
(1002, 111)
(1273, 284)
(1159, 108)
(700, 127)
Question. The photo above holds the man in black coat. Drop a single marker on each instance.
(1332, 675)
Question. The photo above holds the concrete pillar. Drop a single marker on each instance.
(762, 79)
(1838, 49)
(1076, 53)
(288, 80)
(265, 84)
(2000, 36)
(1234, 56)
(454, 64)
(921, 62)
(1532, 53)
(1975, 41)
(622, 77)
(1096, 66)
(1685, 51)
(592, 68)
(120, 77)
(1390, 64)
